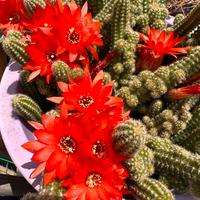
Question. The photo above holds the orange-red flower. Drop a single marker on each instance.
(78, 32)
(95, 180)
(157, 45)
(43, 51)
(45, 19)
(184, 92)
(10, 14)
(91, 100)
(58, 147)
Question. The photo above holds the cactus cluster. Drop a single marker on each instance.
(161, 140)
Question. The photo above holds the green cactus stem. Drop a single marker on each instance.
(189, 22)
(26, 107)
(151, 189)
(31, 5)
(105, 14)
(60, 71)
(54, 189)
(30, 87)
(141, 166)
(121, 20)
(192, 126)
(174, 160)
(96, 6)
(155, 84)
(15, 48)
(176, 184)
(129, 137)
(48, 90)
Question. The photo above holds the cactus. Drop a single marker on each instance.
(177, 184)
(26, 107)
(174, 160)
(189, 22)
(30, 87)
(60, 71)
(105, 14)
(31, 5)
(151, 189)
(192, 126)
(54, 189)
(15, 48)
(141, 165)
(129, 137)
(155, 84)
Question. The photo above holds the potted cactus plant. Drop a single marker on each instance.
(108, 101)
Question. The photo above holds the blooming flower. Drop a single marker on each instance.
(58, 147)
(157, 45)
(184, 92)
(43, 51)
(45, 19)
(92, 181)
(78, 32)
(10, 14)
(91, 99)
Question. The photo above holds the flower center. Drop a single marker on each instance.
(99, 149)
(51, 57)
(86, 101)
(93, 180)
(67, 145)
(73, 36)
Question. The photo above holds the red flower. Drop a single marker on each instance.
(46, 18)
(157, 45)
(43, 51)
(78, 32)
(58, 147)
(10, 14)
(102, 181)
(184, 92)
(92, 100)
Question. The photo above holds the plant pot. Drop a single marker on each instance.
(15, 131)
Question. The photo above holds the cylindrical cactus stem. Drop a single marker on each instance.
(76, 73)
(192, 143)
(60, 71)
(141, 165)
(15, 34)
(176, 184)
(192, 126)
(121, 21)
(155, 84)
(177, 20)
(189, 22)
(96, 6)
(129, 137)
(104, 15)
(54, 189)
(31, 5)
(174, 160)
(30, 87)
(15, 48)
(26, 107)
(151, 189)
(48, 90)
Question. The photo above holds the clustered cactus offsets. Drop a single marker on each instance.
(156, 71)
